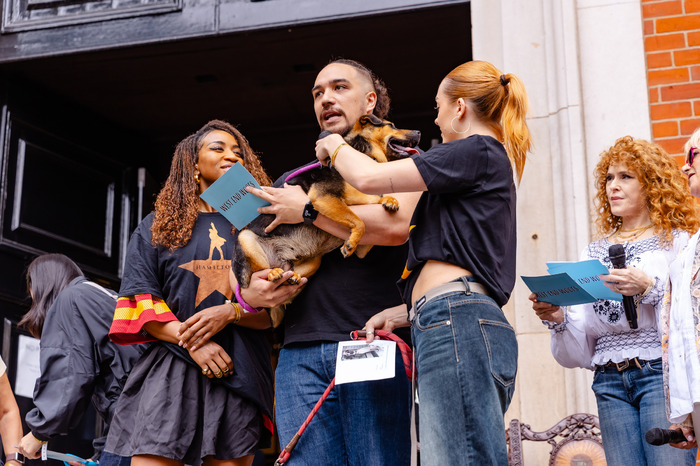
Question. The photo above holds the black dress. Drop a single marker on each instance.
(168, 408)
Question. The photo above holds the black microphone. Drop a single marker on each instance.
(617, 257)
(657, 436)
(324, 133)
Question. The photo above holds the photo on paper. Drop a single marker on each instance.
(360, 361)
(364, 351)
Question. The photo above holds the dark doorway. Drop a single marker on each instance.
(152, 96)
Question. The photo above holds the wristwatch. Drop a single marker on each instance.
(16, 456)
(309, 214)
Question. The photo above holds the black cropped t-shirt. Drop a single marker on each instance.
(467, 216)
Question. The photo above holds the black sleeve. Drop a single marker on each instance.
(461, 166)
(68, 370)
(141, 273)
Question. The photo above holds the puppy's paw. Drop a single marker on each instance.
(348, 248)
(389, 203)
(275, 274)
(294, 279)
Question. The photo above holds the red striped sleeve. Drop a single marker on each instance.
(132, 313)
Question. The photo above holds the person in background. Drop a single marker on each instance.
(461, 259)
(680, 322)
(10, 421)
(642, 202)
(72, 315)
(189, 399)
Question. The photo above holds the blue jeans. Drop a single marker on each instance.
(361, 423)
(629, 404)
(467, 357)
(110, 459)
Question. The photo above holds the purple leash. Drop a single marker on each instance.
(305, 169)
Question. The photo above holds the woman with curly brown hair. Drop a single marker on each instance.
(186, 402)
(643, 202)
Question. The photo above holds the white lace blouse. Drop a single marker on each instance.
(596, 333)
(683, 349)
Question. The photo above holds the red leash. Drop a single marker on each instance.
(406, 355)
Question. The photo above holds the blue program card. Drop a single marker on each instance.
(572, 283)
(586, 273)
(559, 289)
(228, 196)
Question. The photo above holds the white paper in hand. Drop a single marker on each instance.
(358, 361)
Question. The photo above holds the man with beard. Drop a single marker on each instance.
(359, 423)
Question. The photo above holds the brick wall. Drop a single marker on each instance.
(672, 48)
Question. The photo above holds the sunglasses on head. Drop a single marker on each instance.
(692, 153)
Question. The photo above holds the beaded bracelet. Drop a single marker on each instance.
(240, 300)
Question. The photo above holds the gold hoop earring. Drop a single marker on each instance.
(452, 125)
(197, 178)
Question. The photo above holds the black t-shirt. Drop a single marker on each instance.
(344, 293)
(467, 216)
(192, 278)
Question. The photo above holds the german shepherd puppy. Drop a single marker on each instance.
(299, 247)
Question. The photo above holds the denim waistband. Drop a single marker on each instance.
(465, 283)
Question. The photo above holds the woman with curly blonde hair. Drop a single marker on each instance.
(668, 199)
(643, 202)
(188, 401)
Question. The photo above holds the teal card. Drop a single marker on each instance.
(572, 283)
(229, 197)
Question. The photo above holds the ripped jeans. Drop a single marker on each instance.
(466, 358)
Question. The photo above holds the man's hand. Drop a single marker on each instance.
(264, 293)
(287, 204)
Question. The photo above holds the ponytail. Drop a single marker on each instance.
(499, 100)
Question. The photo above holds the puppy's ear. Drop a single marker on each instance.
(360, 144)
(365, 119)
(375, 120)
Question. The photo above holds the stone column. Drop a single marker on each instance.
(583, 66)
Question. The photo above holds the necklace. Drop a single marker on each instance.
(634, 229)
(635, 233)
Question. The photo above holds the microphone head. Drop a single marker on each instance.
(654, 436)
(324, 133)
(617, 255)
(616, 250)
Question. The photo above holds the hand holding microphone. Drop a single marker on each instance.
(657, 436)
(617, 258)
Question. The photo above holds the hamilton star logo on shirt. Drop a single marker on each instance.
(212, 274)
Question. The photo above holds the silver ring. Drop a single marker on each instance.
(369, 332)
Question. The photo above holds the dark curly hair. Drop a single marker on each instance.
(668, 198)
(176, 205)
(381, 108)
